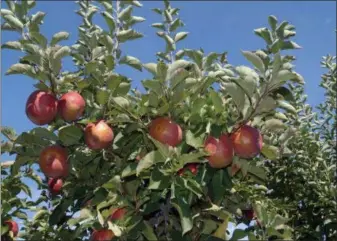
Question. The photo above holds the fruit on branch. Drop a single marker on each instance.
(220, 151)
(41, 107)
(247, 142)
(98, 135)
(248, 214)
(117, 214)
(71, 106)
(164, 130)
(55, 185)
(193, 167)
(102, 235)
(53, 162)
(12, 226)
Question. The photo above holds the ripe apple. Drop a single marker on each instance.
(41, 107)
(102, 235)
(118, 213)
(71, 106)
(55, 185)
(247, 142)
(53, 161)
(12, 226)
(98, 135)
(164, 130)
(193, 167)
(220, 151)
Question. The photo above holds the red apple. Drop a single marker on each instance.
(53, 162)
(118, 213)
(220, 151)
(41, 107)
(55, 185)
(71, 106)
(98, 135)
(193, 167)
(12, 226)
(166, 131)
(102, 235)
(247, 142)
(248, 214)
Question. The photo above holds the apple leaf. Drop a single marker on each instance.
(148, 232)
(59, 37)
(70, 135)
(274, 124)
(149, 160)
(217, 101)
(131, 61)
(255, 60)
(151, 67)
(180, 36)
(185, 214)
(271, 152)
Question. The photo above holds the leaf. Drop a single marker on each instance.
(109, 20)
(248, 79)
(177, 71)
(272, 20)
(170, 43)
(285, 92)
(126, 35)
(59, 37)
(209, 60)
(193, 140)
(285, 45)
(278, 221)
(191, 158)
(150, 159)
(265, 34)
(102, 96)
(62, 52)
(70, 135)
(39, 38)
(151, 67)
(39, 214)
(217, 190)
(274, 124)
(21, 215)
(14, 21)
(129, 170)
(180, 36)
(266, 105)
(217, 101)
(125, 14)
(131, 61)
(238, 234)
(158, 25)
(158, 181)
(44, 133)
(271, 152)
(255, 60)
(12, 45)
(38, 17)
(121, 101)
(162, 69)
(286, 106)
(184, 213)
(148, 232)
(21, 69)
(237, 94)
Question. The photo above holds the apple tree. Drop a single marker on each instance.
(178, 160)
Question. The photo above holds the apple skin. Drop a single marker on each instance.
(164, 130)
(247, 142)
(41, 107)
(248, 214)
(12, 226)
(220, 151)
(55, 185)
(102, 235)
(71, 106)
(117, 214)
(53, 162)
(193, 167)
(98, 135)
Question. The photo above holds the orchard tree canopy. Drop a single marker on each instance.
(206, 143)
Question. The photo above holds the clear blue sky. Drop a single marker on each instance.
(214, 26)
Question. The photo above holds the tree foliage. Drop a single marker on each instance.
(202, 93)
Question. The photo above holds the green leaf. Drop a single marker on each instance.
(126, 35)
(191, 158)
(162, 69)
(286, 106)
(39, 214)
(109, 20)
(12, 45)
(217, 101)
(175, 25)
(13, 21)
(248, 79)
(102, 96)
(217, 190)
(180, 36)
(184, 213)
(265, 34)
(62, 52)
(255, 60)
(151, 67)
(148, 161)
(285, 92)
(21, 215)
(278, 221)
(39, 38)
(38, 17)
(131, 61)
(272, 20)
(274, 124)
(5, 228)
(6, 12)
(271, 152)
(59, 37)
(266, 105)
(129, 170)
(289, 45)
(125, 14)
(237, 94)
(59, 212)
(194, 140)
(70, 135)
(177, 72)
(148, 232)
(238, 234)
(21, 69)
(44, 133)
(19, 162)
(158, 181)
(158, 25)
(121, 101)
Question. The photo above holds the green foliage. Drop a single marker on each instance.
(201, 92)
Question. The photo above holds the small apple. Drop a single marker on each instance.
(55, 185)
(247, 142)
(102, 235)
(41, 107)
(193, 167)
(53, 162)
(98, 135)
(220, 151)
(12, 226)
(164, 130)
(118, 214)
(71, 106)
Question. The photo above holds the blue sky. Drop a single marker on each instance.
(214, 26)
